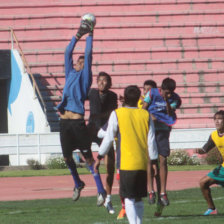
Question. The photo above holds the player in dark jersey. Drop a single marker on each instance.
(102, 102)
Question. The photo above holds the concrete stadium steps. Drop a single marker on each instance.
(122, 29)
(197, 110)
(134, 40)
(187, 81)
(18, 6)
(194, 121)
(211, 53)
(191, 108)
(171, 14)
(202, 98)
(150, 66)
(195, 116)
(182, 76)
(186, 90)
(116, 41)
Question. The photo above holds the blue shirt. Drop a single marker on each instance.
(77, 84)
(157, 107)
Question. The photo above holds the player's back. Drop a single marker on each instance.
(133, 132)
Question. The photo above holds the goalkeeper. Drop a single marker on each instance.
(73, 130)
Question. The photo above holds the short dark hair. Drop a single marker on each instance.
(150, 83)
(169, 84)
(81, 57)
(109, 80)
(131, 95)
(220, 112)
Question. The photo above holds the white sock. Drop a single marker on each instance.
(108, 198)
(130, 210)
(134, 211)
(139, 207)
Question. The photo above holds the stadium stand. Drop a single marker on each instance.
(134, 40)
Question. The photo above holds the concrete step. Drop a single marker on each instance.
(177, 65)
(121, 29)
(115, 16)
(188, 80)
(123, 42)
(50, 6)
(211, 53)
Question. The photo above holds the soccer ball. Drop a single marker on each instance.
(90, 18)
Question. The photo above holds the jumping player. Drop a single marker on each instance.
(102, 103)
(73, 130)
(135, 134)
(216, 139)
(161, 104)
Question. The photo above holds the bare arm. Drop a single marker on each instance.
(145, 105)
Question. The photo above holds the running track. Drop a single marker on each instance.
(50, 187)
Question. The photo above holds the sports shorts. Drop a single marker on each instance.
(162, 141)
(74, 135)
(218, 175)
(98, 141)
(133, 184)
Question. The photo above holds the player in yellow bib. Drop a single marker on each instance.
(216, 176)
(137, 143)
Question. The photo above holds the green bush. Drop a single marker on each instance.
(56, 163)
(213, 157)
(181, 157)
(34, 164)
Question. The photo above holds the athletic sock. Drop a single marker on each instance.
(130, 210)
(97, 179)
(108, 198)
(72, 167)
(139, 207)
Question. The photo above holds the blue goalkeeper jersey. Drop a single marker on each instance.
(77, 84)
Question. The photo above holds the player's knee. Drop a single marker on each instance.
(203, 183)
(163, 161)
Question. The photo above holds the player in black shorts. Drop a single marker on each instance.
(102, 103)
(73, 130)
(135, 134)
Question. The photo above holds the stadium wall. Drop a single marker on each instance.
(20, 147)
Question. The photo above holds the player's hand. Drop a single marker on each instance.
(96, 166)
(84, 28)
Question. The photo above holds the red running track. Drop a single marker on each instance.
(50, 187)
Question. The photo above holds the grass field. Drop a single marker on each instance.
(186, 207)
(59, 172)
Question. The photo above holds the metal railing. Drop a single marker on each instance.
(27, 69)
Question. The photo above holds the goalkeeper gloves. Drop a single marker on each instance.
(85, 27)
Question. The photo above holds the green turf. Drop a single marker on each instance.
(185, 207)
(191, 167)
(44, 172)
(59, 172)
